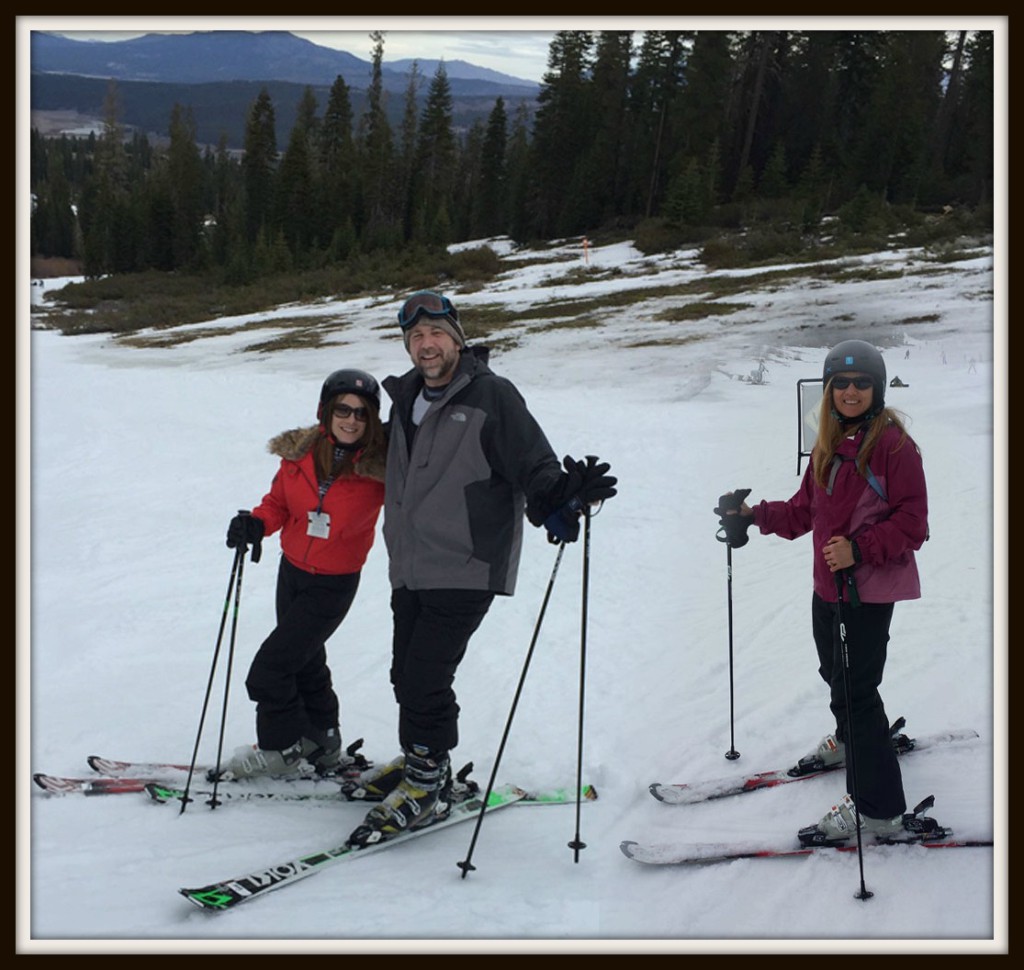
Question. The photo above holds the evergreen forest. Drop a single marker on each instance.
(681, 137)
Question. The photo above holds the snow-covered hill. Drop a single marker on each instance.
(141, 454)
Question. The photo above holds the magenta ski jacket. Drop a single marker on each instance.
(888, 518)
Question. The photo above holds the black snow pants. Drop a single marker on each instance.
(879, 783)
(289, 678)
(432, 629)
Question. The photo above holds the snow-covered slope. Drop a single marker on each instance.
(140, 456)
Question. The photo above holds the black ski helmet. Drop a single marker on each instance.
(349, 381)
(858, 355)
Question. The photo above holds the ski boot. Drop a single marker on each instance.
(831, 752)
(421, 798)
(323, 750)
(828, 755)
(918, 827)
(253, 762)
(375, 785)
(840, 825)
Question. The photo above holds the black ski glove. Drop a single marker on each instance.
(582, 484)
(732, 521)
(595, 484)
(244, 530)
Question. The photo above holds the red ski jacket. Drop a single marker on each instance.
(353, 503)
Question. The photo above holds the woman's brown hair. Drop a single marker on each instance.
(371, 445)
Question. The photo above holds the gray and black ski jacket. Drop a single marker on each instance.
(457, 486)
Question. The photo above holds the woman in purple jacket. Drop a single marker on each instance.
(863, 497)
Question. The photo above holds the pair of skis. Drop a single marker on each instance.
(692, 793)
(156, 781)
(919, 831)
(229, 893)
(127, 777)
(922, 831)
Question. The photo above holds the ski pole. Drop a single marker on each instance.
(239, 553)
(577, 844)
(864, 892)
(213, 802)
(235, 580)
(466, 866)
(732, 754)
(735, 501)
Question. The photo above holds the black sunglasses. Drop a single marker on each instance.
(861, 383)
(343, 411)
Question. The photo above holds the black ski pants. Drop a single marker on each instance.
(289, 678)
(432, 629)
(878, 785)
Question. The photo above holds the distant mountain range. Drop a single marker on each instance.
(219, 73)
(239, 55)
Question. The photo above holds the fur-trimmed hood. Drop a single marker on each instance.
(296, 443)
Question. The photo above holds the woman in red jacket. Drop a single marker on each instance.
(863, 496)
(325, 500)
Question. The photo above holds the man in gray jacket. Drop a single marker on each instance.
(466, 461)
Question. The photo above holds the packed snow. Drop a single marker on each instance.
(142, 450)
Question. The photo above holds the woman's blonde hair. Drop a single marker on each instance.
(831, 432)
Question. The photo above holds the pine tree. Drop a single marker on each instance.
(53, 225)
(806, 121)
(685, 201)
(774, 182)
(893, 144)
(381, 222)
(517, 175)
(227, 234)
(489, 208)
(655, 86)
(598, 187)
(562, 131)
(813, 189)
(761, 62)
(407, 160)
(185, 175)
(466, 184)
(156, 250)
(970, 157)
(297, 185)
(259, 164)
(702, 111)
(110, 224)
(858, 65)
(436, 154)
(337, 163)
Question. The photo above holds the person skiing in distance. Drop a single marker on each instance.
(863, 497)
(325, 500)
(466, 460)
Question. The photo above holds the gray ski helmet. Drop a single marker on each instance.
(349, 382)
(858, 355)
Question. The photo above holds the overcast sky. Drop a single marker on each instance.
(517, 46)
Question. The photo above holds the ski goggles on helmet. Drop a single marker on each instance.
(426, 304)
(861, 383)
